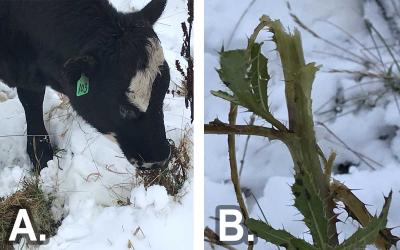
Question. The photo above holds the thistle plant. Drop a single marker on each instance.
(316, 194)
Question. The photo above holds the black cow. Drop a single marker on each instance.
(109, 64)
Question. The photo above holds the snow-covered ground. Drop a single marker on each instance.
(91, 176)
(371, 129)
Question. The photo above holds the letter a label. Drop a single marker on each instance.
(17, 229)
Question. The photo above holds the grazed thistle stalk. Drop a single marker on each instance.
(245, 73)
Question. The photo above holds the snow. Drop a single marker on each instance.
(91, 177)
(151, 224)
(371, 129)
(154, 196)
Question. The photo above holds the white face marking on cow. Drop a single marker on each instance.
(151, 165)
(141, 85)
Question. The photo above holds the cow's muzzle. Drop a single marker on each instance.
(160, 165)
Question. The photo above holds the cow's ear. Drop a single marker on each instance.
(153, 10)
(74, 67)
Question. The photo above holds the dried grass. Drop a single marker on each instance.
(32, 198)
(175, 175)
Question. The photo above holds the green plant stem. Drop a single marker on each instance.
(234, 168)
(252, 120)
(299, 78)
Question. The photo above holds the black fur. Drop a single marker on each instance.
(53, 42)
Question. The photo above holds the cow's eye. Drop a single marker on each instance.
(130, 113)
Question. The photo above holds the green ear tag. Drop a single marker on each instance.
(82, 86)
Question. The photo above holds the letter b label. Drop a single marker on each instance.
(230, 225)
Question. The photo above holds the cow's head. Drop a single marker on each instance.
(128, 80)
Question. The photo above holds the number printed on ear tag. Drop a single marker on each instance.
(82, 86)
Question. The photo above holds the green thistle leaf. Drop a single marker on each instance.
(277, 237)
(367, 235)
